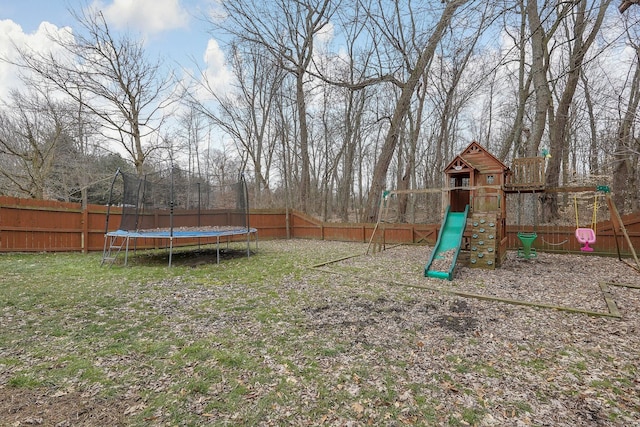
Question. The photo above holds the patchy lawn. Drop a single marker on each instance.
(284, 338)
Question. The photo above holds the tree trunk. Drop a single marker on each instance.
(514, 139)
(558, 127)
(622, 157)
(379, 178)
(305, 173)
(352, 122)
(594, 162)
(539, 65)
(405, 181)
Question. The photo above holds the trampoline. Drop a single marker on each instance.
(161, 207)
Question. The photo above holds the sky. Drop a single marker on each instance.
(173, 30)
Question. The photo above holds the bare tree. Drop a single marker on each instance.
(352, 128)
(245, 111)
(285, 155)
(33, 131)
(449, 89)
(513, 140)
(539, 68)
(112, 78)
(585, 21)
(287, 30)
(346, 103)
(626, 153)
(594, 161)
(191, 126)
(378, 180)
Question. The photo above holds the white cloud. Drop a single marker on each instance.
(12, 37)
(217, 75)
(326, 34)
(9, 31)
(146, 16)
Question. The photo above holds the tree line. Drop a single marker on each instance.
(333, 101)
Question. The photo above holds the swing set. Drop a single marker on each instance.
(585, 235)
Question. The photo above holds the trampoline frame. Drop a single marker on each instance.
(182, 234)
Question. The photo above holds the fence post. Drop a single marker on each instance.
(84, 239)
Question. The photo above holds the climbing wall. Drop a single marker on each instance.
(483, 243)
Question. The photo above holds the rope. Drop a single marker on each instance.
(555, 244)
(575, 202)
(594, 217)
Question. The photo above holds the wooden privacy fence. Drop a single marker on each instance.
(29, 225)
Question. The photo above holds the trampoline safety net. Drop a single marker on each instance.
(175, 200)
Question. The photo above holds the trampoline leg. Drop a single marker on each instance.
(170, 249)
(218, 250)
(126, 251)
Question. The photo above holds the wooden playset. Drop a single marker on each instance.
(474, 211)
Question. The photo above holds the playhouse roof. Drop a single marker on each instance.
(458, 164)
(476, 157)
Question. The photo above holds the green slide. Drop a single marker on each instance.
(445, 254)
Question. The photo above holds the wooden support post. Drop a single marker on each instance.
(376, 246)
(617, 223)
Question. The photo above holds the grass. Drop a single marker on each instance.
(82, 326)
(259, 340)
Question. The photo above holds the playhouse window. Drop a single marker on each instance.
(490, 179)
(458, 181)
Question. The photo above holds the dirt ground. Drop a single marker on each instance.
(24, 407)
(552, 341)
(578, 314)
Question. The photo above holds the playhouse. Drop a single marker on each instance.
(476, 178)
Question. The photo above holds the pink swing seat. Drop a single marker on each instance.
(586, 236)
